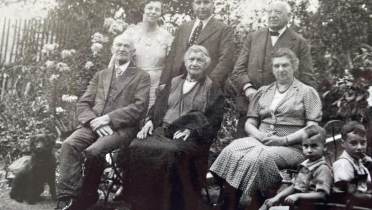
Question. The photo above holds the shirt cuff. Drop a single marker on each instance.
(246, 86)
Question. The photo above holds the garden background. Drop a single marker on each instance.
(49, 61)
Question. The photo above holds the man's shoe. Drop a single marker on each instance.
(65, 204)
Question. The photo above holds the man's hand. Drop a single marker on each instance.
(99, 122)
(291, 199)
(274, 141)
(105, 130)
(249, 92)
(182, 134)
(146, 129)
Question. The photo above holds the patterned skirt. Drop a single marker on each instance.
(250, 166)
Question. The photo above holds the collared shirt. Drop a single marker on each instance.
(120, 69)
(197, 20)
(314, 176)
(274, 39)
(347, 168)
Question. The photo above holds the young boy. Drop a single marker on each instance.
(350, 175)
(314, 179)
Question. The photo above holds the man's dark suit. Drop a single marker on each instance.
(254, 63)
(217, 37)
(124, 99)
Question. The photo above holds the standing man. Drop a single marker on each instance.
(109, 113)
(253, 67)
(209, 32)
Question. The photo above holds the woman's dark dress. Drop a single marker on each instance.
(162, 173)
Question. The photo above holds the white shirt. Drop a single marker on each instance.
(120, 69)
(278, 97)
(187, 86)
(274, 39)
(205, 22)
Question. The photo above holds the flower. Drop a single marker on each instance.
(53, 77)
(88, 65)
(108, 22)
(50, 64)
(63, 67)
(120, 13)
(99, 38)
(48, 48)
(96, 48)
(59, 110)
(67, 53)
(69, 98)
(117, 27)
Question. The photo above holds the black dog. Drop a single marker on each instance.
(29, 183)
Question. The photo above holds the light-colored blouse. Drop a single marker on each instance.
(300, 104)
(151, 51)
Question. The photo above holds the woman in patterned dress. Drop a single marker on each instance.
(152, 43)
(276, 116)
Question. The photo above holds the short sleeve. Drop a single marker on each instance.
(254, 106)
(342, 171)
(313, 105)
(323, 179)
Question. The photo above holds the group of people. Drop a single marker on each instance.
(160, 101)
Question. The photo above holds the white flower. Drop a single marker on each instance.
(88, 65)
(63, 67)
(96, 48)
(49, 48)
(59, 110)
(117, 27)
(67, 53)
(69, 98)
(120, 13)
(108, 22)
(53, 77)
(49, 64)
(99, 38)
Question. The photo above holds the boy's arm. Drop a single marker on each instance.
(292, 199)
(276, 199)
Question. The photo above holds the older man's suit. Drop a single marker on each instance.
(124, 99)
(217, 37)
(254, 63)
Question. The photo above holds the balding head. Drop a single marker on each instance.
(279, 13)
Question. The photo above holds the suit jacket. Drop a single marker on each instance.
(217, 37)
(254, 62)
(125, 108)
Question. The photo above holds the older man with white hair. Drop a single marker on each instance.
(253, 66)
(109, 113)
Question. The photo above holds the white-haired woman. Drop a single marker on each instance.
(166, 166)
(276, 116)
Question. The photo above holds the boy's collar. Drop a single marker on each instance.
(311, 165)
(346, 155)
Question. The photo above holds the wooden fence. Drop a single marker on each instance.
(24, 39)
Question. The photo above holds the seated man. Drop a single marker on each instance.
(166, 166)
(109, 113)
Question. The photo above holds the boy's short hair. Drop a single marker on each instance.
(316, 132)
(353, 127)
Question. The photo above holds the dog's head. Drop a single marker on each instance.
(42, 144)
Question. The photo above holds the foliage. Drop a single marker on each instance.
(24, 109)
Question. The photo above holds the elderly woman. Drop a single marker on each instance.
(165, 166)
(276, 116)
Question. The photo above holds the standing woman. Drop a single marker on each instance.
(152, 44)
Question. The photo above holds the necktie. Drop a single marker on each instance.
(274, 33)
(196, 33)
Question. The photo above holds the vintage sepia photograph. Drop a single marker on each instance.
(185, 104)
